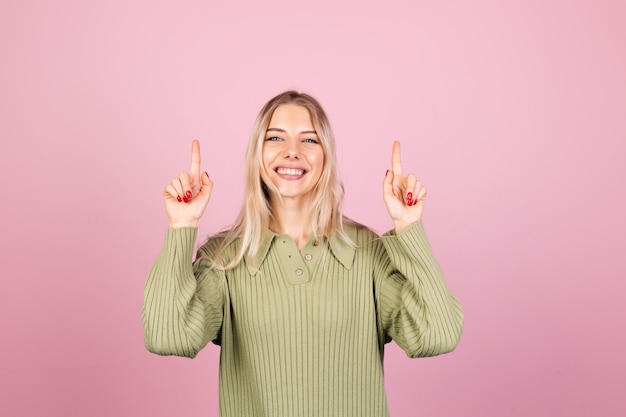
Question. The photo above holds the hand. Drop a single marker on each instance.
(404, 196)
(187, 196)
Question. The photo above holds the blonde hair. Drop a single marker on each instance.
(253, 220)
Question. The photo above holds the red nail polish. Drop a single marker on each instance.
(409, 196)
(387, 173)
(185, 199)
(178, 198)
(188, 194)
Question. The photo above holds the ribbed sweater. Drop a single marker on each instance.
(302, 332)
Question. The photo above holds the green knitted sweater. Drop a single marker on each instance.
(302, 332)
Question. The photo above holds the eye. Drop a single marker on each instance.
(310, 141)
(273, 139)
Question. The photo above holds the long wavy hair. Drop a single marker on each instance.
(253, 220)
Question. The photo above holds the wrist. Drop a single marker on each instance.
(179, 225)
(400, 226)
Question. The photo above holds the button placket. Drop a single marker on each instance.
(294, 267)
(311, 255)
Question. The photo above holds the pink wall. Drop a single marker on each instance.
(512, 113)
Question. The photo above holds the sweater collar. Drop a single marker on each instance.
(342, 251)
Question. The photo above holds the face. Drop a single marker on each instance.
(292, 153)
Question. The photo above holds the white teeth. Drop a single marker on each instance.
(290, 171)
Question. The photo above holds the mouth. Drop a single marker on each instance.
(290, 172)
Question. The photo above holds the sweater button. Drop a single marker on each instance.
(308, 257)
(315, 243)
(299, 271)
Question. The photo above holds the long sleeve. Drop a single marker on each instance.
(183, 301)
(415, 307)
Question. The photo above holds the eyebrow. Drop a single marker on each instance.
(275, 129)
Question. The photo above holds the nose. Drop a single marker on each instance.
(292, 150)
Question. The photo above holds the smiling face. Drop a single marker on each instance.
(293, 156)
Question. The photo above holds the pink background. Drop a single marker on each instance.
(511, 112)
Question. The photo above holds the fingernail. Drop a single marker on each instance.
(188, 194)
(386, 173)
(178, 198)
(185, 199)
(409, 196)
(207, 174)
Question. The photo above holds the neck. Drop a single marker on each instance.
(293, 218)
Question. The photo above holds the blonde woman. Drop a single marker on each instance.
(300, 299)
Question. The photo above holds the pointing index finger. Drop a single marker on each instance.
(195, 160)
(396, 166)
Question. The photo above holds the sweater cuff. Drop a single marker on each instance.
(181, 240)
(413, 242)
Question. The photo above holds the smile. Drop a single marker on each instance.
(290, 171)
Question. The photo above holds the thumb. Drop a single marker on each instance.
(388, 183)
(207, 184)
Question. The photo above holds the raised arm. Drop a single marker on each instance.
(184, 300)
(415, 306)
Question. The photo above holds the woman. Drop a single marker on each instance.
(300, 299)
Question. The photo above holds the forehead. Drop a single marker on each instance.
(291, 115)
